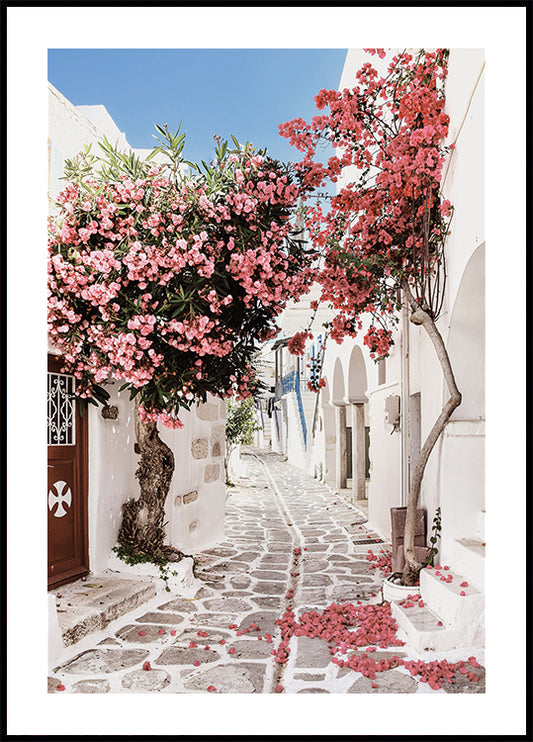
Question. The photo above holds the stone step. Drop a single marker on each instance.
(458, 603)
(424, 630)
(83, 607)
(445, 613)
(468, 555)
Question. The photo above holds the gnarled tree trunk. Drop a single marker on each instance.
(141, 531)
(419, 316)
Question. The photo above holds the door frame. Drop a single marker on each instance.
(81, 567)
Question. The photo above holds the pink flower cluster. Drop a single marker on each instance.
(381, 561)
(296, 344)
(378, 339)
(391, 128)
(168, 285)
(374, 628)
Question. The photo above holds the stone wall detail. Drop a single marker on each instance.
(212, 472)
(207, 411)
(218, 441)
(200, 448)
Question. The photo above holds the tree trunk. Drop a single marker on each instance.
(141, 531)
(412, 567)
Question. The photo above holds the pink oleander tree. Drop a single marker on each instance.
(169, 282)
(382, 238)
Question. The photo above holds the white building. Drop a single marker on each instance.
(92, 462)
(374, 417)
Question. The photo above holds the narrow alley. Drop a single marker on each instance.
(298, 566)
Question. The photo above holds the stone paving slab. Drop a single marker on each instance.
(224, 639)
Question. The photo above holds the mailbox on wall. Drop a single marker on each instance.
(392, 409)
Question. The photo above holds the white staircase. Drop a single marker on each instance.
(450, 610)
(470, 554)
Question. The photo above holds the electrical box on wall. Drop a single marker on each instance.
(392, 409)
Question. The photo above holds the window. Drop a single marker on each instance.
(61, 417)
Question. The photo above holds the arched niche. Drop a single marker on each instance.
(466, 339)
(338, 391)
(357, 381)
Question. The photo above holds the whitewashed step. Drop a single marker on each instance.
(459, 604)
(468, 556)
(424, 630)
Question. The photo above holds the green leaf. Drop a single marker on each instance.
(124, 386)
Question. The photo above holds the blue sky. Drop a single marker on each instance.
(244, 92)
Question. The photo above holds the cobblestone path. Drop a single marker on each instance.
(289, 541)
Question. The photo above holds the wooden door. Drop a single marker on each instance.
(66, 499)
(349, 462)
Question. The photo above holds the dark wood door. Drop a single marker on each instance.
(66, 499)
(349, 462)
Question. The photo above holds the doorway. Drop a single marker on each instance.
(68, 556)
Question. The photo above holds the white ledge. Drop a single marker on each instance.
(465, 428)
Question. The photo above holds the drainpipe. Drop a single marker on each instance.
(405, 427)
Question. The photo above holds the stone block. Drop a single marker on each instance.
(312, 652)
(218, 432)
(207, 411)
(217, 605)
(109, 412)
(186, 656)
(266, 620)
(252, 650)
(390, 681)
(218, 441)
(158, 617)
(52, 685)
(180, 604)
(142, 681)
(105, 660)
(225, 679)
(212, 472)
(200, 448)
(95, 685)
